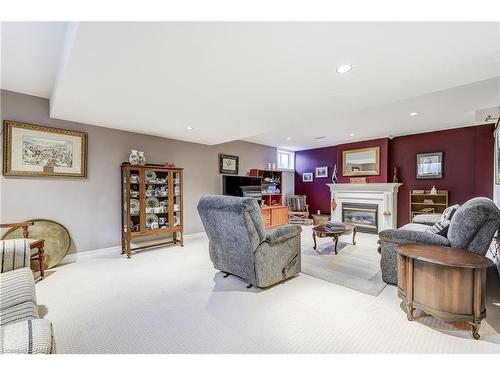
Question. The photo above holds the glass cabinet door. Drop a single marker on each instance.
(177, 205)
(134, 204)
(156, 199)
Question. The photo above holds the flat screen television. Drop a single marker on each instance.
(242, 186)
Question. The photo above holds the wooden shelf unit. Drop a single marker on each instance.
(440, 202)
(274, 210)
(167, 189)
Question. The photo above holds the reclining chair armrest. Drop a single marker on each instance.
(282, 233)
(32, 336)
(401, 236)
(15, 254)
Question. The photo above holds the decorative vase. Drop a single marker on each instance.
(273, 166)
(133, 158)
(141, 158)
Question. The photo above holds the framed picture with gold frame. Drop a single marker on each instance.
(361, 162)
(42, 151)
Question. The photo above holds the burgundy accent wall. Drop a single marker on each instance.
(383, 143)
(318, 194)
(467, 164)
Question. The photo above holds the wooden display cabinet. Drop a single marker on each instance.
(274, 210)
(152, 206)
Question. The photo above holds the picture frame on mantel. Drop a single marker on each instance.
(228, 164)
(361, 162)
(40, 151)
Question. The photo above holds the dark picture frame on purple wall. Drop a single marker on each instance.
(429, 165)
(307, 177)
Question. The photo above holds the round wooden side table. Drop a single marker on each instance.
(444, 282)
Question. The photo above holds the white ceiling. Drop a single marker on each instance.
(262, 82)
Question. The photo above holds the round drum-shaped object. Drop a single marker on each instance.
(56, 236)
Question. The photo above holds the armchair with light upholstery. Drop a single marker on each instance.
(240, 245)
(22, 331)
(36, 245)
(472, 228)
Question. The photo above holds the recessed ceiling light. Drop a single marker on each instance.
(352, 135)
(189, 128)
(413, 113)
(344, 68)
(288, 138)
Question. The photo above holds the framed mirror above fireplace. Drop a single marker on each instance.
(361, 162)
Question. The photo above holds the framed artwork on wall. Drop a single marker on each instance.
(361, 162)
(41, 151)
(497, 154)
(322, 172)
(430, 165)
(307, 177)
(228, 164)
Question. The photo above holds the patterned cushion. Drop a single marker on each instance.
(23, 311)
(441, 227)
(33, 336)
(14, 254)
(17, 287)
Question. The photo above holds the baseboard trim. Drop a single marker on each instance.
(75, 257)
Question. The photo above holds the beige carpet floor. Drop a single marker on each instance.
(171, 300)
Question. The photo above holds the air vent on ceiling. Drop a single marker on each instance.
(320, 137)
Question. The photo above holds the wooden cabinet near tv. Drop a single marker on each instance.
(274, 210)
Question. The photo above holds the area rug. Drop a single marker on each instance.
(355, 266)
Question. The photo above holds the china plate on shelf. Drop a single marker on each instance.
(150, 175)
(152, 202)
(151, 218)
(135, 206)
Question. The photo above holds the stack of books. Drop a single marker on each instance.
(334, 225)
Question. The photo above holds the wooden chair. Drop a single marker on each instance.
(298, 210)
(35, 244)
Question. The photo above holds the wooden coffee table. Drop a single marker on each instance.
(446, 283)
(321, 231)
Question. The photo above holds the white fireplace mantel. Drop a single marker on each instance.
(385, 195)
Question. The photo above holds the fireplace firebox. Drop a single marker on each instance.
(364, 216)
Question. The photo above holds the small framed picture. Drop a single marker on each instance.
(322, 172)
(430, 165)
(307, 177)
(228, 164)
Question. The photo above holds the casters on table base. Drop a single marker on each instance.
(249, 286)
(226, 275)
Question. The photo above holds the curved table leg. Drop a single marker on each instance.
(314, 238)
(354, 236)
(336, 239)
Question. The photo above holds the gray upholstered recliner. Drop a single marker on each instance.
(472, 228)
(241, 246)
